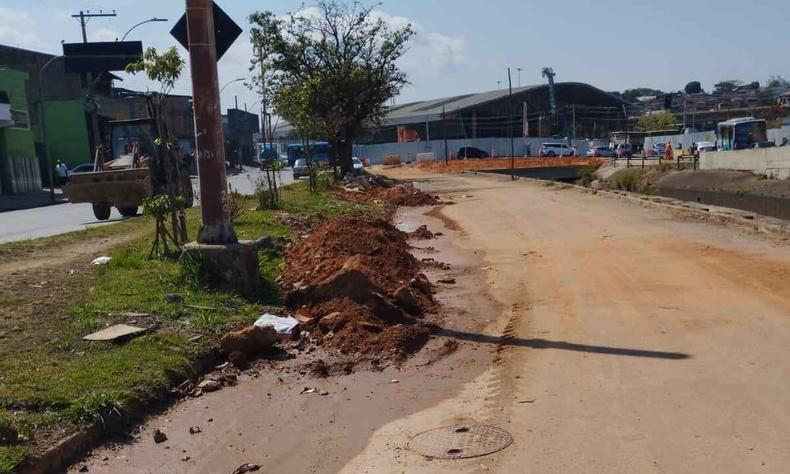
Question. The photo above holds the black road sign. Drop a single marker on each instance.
(101, 56)
(225, 30)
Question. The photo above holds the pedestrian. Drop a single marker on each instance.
(784, 141)
(63, 173)
(668, 155)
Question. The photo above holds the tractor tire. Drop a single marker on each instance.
(128, 211)
(102, 211)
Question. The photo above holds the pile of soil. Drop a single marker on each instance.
(378, 189)
(422, 233)
(358, 289)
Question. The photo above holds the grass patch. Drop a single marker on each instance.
(628, 180)
(56, 379)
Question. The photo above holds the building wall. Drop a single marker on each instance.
(18, 165)
(67, 132)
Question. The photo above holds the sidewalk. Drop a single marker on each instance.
(30, 200)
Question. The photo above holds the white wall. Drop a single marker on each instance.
(774, 162)
(494, 146)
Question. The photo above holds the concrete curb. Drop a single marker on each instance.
(58, 457)
(770, 226)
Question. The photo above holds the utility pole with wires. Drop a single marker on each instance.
(574, 121)
(444, 135)
(85, 16)
(510, 125)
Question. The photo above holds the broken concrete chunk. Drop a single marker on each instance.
(406, 299)
(209, 385)
(284, 326)
(159, 436)
(114, 333)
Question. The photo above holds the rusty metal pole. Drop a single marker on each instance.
(210, 153)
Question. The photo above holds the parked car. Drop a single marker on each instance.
(471, 152)
(359, 167)
(624, 150)
(300, 169)
(556, 149)
(706, 146)
(600, 152)
(659, 148)
(83, 168)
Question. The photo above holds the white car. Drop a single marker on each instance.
(601, 152)
(706, 146)
(556, 149)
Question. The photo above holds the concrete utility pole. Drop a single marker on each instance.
(444, 135)
(510, 124)
(210, 153)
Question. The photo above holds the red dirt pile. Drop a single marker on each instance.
(373, 188)
(357, 288)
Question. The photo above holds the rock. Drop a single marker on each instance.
(239, 360)
(421, 282)
(244, 468)
(249, 340)
(174, 298)
(209, 385)
(447, 281)
(422, 233)
(186, 458)
(371, 327)
(83, 468)
(194, 430)
(332, 322)
(406, 300)
(159, 437)
(303, 316)
(8, 435)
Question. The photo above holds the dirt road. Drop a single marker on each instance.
(606, 337)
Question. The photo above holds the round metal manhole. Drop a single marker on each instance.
(460, 442)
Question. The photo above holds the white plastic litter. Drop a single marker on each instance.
(101, 260)
(283, 326)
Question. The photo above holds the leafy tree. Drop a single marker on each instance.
(693, 87)
(342, 58)
(660, 121)
(777, 81)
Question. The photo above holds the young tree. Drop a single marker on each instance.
(165, 69)
(294, 105)
(346, 54)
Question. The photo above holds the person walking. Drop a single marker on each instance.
(668, 154)
(62, 172)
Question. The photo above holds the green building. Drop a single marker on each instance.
(19, 169)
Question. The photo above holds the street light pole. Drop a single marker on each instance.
(216, 227)
(142, 23)
(44, 127)
(229, 83)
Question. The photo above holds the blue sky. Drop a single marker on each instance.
(465, 46)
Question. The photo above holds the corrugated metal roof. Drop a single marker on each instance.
(450, 104)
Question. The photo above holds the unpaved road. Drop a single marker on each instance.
(620, 339)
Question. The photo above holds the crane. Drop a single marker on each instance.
(549, 74)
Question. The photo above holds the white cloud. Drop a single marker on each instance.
(16, 29)
(104, 34)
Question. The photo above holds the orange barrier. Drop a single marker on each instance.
(504, 163)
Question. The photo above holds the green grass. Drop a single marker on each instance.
(66, 381)
(627, 180)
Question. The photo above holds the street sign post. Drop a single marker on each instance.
(217, 228)
(225, 30)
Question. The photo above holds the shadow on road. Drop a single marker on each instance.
(560, 345)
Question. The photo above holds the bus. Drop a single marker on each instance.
(742, 133)
(321, 152)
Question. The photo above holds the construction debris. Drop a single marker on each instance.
(284, 326)
(359, 289)
(244, 468)
(114, 333)
(250, 340)
(159, 436)
(422, 233)
(374, 188)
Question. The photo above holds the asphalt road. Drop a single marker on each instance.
(62, 218)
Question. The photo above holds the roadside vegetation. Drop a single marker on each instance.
(52, 381)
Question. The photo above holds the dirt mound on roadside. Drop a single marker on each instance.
(354, 279)
(373, 188)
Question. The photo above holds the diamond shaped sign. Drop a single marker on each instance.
(225, 30)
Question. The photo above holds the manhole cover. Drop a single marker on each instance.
(460, 442)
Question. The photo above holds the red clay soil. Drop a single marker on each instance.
(357, 282)
(505, 163)
(396, 195)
